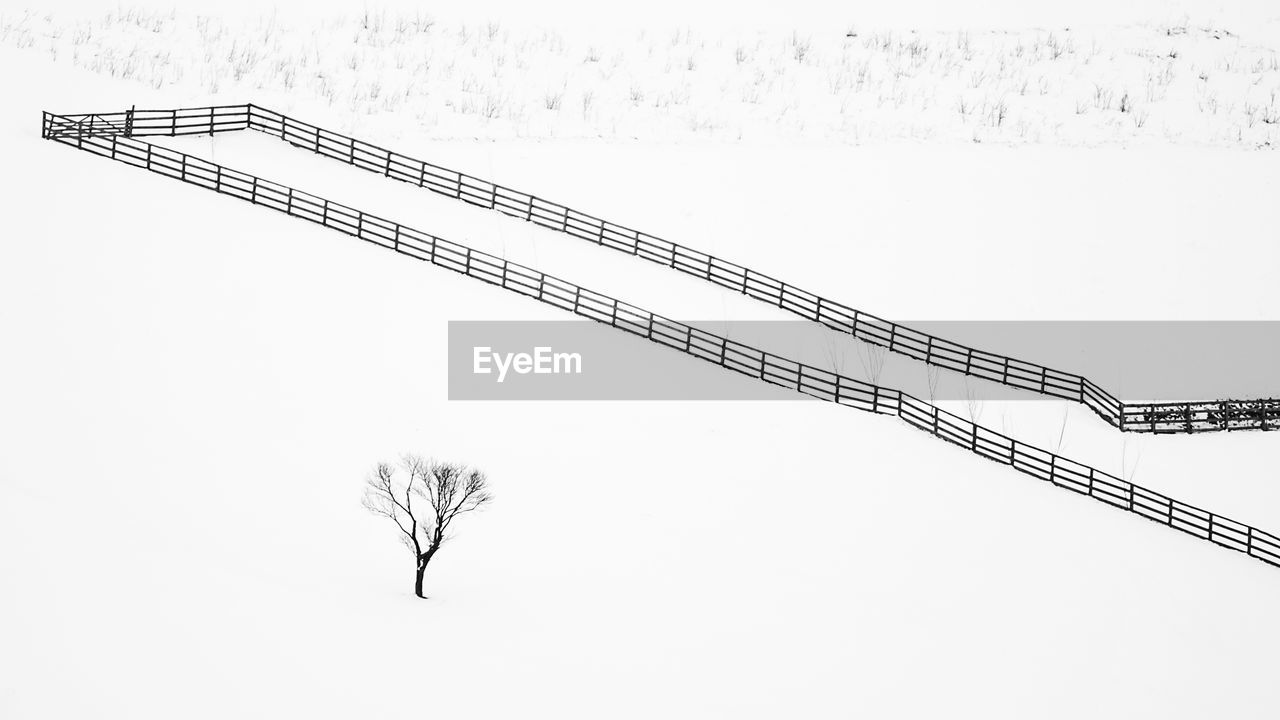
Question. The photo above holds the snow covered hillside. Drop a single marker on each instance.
(1176, 81)
(192, 389)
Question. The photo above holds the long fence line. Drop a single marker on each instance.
(1174, 417)
(738, 357)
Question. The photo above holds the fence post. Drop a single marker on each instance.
(288, 207)
(211, 128)
(128, 121)
(388, 173)
(577, 294)
(253, 194)
(173, 123)
(1249, 539)
(395, 245)
(317, 139)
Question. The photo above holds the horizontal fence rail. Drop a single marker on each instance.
(738, 357)
(1177, 417)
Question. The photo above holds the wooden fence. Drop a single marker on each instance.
(738, 357)
(1176, 417)
(1169, 417)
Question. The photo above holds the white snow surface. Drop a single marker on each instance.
(192, 390)
(1203, 79)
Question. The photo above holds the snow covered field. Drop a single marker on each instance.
(192, 390)
(1182, 80)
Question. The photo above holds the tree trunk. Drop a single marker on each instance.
(423, 559)
(417, 584)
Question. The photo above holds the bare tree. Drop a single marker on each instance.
(1062, 432)
(423, 498)
(933, 373)
(872, 360)
(1126, 470)
(833, 351)
(972, 402)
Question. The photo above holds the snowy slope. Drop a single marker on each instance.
(193, 388)
(1180, 79)
(1005, 266)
